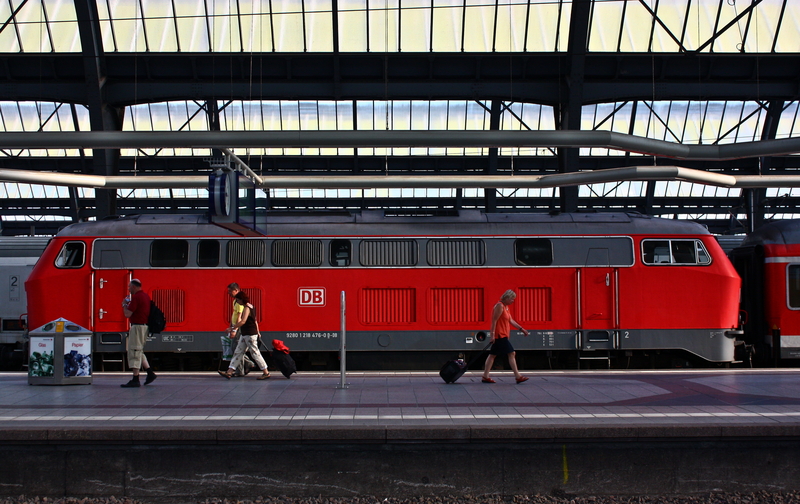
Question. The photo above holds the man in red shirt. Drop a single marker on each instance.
(137, 308)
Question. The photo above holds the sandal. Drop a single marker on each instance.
(487, 380)
(522, 379)
(264, 376)
(225, 374)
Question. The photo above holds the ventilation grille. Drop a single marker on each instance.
(456, 253)
(246, 253)
(388, 253)
(388, 306)
(255, 300)
(534, 304)
(296, 252)
(457, 305)
(171, 302)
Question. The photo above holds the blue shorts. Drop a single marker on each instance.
(501, 346)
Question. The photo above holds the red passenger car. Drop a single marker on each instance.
(588, 284)
(768, 261)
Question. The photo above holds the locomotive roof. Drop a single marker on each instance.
(367, 223)
(782, 232)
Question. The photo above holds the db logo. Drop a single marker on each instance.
(311, 296)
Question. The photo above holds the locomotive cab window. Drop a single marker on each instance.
(675, 252)
(793, 286)
(208, 253)
(72, 255)
(169, 253)
(533, 252)
(340, 253)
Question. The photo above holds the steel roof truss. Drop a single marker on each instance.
(735, 20)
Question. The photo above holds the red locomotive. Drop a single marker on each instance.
(588, 284)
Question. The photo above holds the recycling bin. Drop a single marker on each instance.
(60, 354)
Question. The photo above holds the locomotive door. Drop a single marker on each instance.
(110, 288)
(598, 307)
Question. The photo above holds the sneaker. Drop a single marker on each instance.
(133, 383)
(151, 377)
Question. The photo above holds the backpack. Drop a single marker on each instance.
(156, 322)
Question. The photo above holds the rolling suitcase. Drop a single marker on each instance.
(455, 369)
(282, 359)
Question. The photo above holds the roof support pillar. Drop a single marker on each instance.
(102, 116)
(755, 199)
(489, 194)
(570, 111)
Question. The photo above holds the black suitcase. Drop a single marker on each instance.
(455, 369)
(284, 362)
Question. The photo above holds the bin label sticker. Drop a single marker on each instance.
(77, 356)
(40, 360)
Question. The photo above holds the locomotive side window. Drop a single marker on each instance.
(533, 252)
(169, 253)
(456, 253)
(683, 252)
(296, 253)
(246, 253)
(674, 252)
(388, 253)
(72, 255)
(702, 253)
(340, 253)
(793, 285)
(656, 252)
(208, 253)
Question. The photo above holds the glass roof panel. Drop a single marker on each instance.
(763, 25)
(527, 117)
(159, 25)
(30, 23)
(479, 25)
(788, 125)
(447, 23)
(63, 25)
(415, 28)
(223, 26)
(623, 189)
(667, 34)
(192, 28)
(690, 189)
(689, 25)
(694, 122)
(125, 26)
(352, 25)
(410, 25)
(318, 25)
(789, 33)
(42, 116)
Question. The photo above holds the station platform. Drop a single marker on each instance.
(190, 435)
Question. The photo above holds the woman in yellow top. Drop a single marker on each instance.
(501, 328)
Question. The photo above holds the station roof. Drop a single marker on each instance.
(685, 71)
